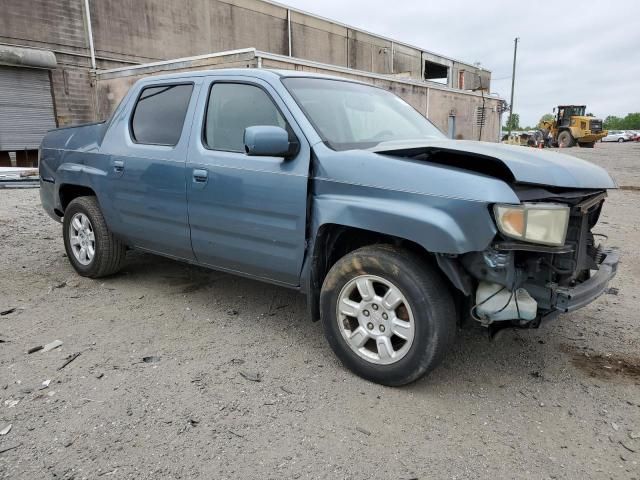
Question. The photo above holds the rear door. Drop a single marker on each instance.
(247, 214)
(147, 151)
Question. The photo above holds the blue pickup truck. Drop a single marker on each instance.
(338, 189)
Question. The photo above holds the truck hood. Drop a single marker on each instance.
(522, 164)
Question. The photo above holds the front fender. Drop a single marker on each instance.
(438, 224)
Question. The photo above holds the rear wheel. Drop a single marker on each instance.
(387, 314)
(621, 140)
(91, 248)
(565, 139)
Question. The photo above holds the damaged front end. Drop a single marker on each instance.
(519, 283)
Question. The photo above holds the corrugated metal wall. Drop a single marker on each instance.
(26, 108)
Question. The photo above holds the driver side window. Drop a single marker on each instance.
(231, 108)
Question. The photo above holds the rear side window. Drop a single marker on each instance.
(231, 108)
(159, 114)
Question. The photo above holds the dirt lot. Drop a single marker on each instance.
(559, 402)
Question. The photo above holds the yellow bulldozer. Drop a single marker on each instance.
(571, 126)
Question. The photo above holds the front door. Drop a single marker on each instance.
(247, 214)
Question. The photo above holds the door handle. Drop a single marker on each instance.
(118, 166)
(200, 176)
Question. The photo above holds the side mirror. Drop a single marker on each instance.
(269, 141)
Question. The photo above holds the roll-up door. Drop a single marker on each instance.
(26, 107)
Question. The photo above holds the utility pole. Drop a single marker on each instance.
(513, 82)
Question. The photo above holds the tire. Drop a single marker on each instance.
(565, 139)
(426, 311)
(109, 252)
(621, 140)
(587, 144)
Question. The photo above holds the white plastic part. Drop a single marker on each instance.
(498, 307)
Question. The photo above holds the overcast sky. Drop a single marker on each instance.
(571, 53)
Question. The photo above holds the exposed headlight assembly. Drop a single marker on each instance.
(544, 223)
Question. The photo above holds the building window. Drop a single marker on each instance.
(158, 116)
(435, 72)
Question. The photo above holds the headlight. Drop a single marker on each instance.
(544, 223)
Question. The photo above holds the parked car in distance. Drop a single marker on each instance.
(617, 136)
(340, 190)
(634, 135)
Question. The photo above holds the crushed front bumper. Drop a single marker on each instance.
(570, 299)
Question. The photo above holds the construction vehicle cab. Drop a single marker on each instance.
(572, 126)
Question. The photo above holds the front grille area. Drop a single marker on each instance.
(595, 126)
(587, 254)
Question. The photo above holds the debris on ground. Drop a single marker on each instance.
(69, 359)
(151, 359)
(363, 431)
(7, 311)
(6, 429)
(35, 349)
(232, 312)
(252, 376)
(45, 384)
(11, 403)
(626, 446)
(237, 361)
(51, 346)
(612, 291)
(12, 447)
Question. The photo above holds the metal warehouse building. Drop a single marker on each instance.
(58, 59)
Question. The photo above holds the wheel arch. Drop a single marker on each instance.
(332, 241)
(67, 192)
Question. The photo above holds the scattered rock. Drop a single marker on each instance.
(612, 291)
(45, 384)
(60, 285)
(99, 375)
(237, 361)
(615, 426)
(232, 312)
(6, 429)
(11, 403)
(51, 346)
(252, 376)
(634, 435)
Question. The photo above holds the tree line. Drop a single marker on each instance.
(630, 122)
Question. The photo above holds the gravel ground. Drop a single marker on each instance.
(163, 386)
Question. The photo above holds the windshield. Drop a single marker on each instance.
(354, 116)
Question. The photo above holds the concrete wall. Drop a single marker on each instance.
(56, 25)
(436, 103)
(139, 31)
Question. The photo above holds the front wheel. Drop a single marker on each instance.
(91, 248)
(565, 139)
(387, 314)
